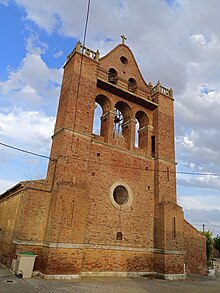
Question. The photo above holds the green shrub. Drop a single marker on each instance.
(209, 244)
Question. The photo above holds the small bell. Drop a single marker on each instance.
(117, 120)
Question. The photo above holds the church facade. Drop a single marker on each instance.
(108, 204)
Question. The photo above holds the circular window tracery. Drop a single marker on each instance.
(120, 195)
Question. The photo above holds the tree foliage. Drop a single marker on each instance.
(217, 243)
(209, 244)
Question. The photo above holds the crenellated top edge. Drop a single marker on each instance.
(158, 88)
(85, 51)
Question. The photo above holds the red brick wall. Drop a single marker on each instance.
(8, 212)
(195, 246)
(78, 207)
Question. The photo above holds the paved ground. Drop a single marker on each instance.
(195, 284)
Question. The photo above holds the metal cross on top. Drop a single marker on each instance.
(123, 39)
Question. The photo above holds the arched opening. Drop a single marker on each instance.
(119, 236)
(112, 75)
(118, 122)
(141, 133)
(100, 123)
(137, 126)
(122, 117)
(132, 85)
(97, 119)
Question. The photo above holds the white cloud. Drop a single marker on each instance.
(199, 39)
(5, 185)
(201, 181)
(34, 45)
(58, 54)
(28, 129)
(41, 12)
(200, 202)
(149, 27)
(33, 82)
(178, 44)
(209, 218)
(187, 142)
(200, 209)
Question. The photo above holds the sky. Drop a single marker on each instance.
(174, 41)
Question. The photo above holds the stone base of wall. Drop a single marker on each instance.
(111, 274)
(69, 261)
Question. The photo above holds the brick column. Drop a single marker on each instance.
(107, 126)
(129, 133)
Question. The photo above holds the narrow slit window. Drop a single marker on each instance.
(174, 227)
(153, 146)
(168, 173)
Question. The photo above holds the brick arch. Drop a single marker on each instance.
(132, 84)
(104, 102)
(112, 75)
(142, 118)
(122, 123)
(125, 109)
(100, 111)
(141, 133)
